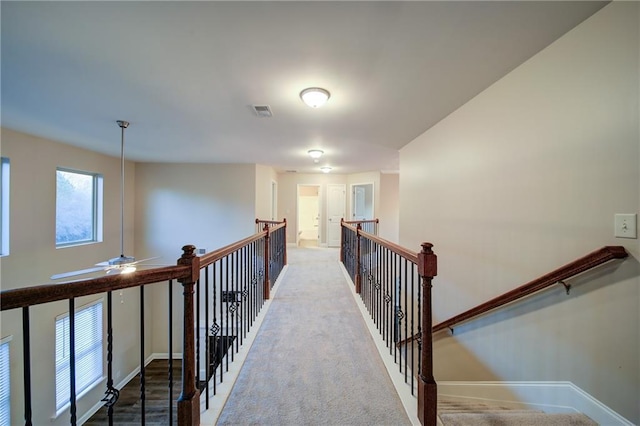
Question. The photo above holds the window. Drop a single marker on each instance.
(4, 206)
(78, 207)
(88, 340)
(5, 383)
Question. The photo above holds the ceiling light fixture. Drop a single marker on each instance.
(325, 169)
(315, 97)
(315, 153)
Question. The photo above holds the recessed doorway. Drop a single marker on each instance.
(308, 216)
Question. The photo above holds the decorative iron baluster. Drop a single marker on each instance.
(207, 355)
(111, 393)
(72, 361)
(143, 393)
(170, 352)
(26, 362)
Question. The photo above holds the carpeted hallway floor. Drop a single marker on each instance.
(313, 361)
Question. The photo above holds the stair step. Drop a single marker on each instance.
(515, 418)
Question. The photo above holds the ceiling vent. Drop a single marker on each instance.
(262, 111)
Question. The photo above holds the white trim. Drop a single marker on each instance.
(6, 339)
(223, 390)
(409, 402)
(550, 397)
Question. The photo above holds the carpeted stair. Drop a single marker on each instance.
(466, 412)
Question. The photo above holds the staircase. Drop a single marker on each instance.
(468, 412)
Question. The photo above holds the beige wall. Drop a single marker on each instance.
(265, 175)
(33, 258)
(521, 180)
(207, 205)
(389, 209)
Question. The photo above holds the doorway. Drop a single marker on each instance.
(362, 201)
(308, 216)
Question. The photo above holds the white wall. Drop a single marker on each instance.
(34, 258)
(521, 180)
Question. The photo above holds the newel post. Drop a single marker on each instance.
(267, 287)
(342, 240)
(285, 241)
(427, 388)
(358, 253)
(189, 400)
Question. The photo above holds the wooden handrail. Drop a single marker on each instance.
(270, 222)
(591, 260)
(569, 270)
(351, 222)
(209, 258)
(35, 295)
(395, 248)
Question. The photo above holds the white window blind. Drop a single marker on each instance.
(88, 342)
(5, 384)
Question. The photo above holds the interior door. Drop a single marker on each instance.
(336, 202)
(358, 203)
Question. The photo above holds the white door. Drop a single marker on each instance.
(358, 203)
(336, 201)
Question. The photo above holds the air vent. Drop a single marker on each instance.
(292, 171)
(262, 111)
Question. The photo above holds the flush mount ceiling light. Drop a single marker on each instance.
(315, 153)
(315, 97)
(325, 169)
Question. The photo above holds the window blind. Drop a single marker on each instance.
(88, 352)
(5, 385)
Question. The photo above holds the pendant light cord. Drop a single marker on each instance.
(123, 125)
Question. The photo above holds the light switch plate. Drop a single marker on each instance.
(626, 226)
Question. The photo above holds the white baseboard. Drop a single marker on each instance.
(409, 401)
(209, 417)
(550, 397)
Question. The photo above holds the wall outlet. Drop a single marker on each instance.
(626, 226)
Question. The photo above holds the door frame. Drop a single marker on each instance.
(298, 211)
(352, 198)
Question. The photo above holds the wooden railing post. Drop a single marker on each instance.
(285, 241)
(189, 401)
(358, 252)
(427, 388)
(267, 286)
(342, 240)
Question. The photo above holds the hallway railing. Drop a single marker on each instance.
(395, 286)
(223, 289)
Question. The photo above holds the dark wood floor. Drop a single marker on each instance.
(127, 411)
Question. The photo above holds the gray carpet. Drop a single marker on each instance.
(313, 361)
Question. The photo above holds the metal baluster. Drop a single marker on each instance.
(215, 328)
(221, 338)
(419, 326)
(26, 362)
(207, 355)
(406, 309)
(170, 352)
(72, 360)
(413, 365)
(226, 286)
(142, 366)
(111, 394)
(198, 291)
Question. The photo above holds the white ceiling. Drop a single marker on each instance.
(186, 73)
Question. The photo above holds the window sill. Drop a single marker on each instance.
(66, 407)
